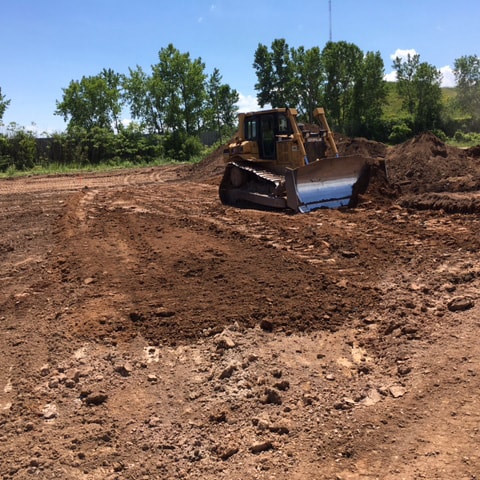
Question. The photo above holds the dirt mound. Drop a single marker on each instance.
(429, 174)
(210, 168)
(426, 164)
(473, 152)
(360, 146)
(448, 202)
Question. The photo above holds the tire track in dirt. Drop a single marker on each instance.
(168, 238)
(78, 181)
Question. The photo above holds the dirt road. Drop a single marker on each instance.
(150, 332)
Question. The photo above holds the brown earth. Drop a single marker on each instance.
(150, 332)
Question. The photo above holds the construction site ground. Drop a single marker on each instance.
(149, 332)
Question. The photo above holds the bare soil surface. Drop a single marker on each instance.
(150, 332)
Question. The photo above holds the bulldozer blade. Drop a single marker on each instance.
(326, 183)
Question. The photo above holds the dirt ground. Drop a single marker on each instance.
(150, 332)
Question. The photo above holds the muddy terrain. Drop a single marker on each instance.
(150, 332)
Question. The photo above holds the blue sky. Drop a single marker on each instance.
(46, 44)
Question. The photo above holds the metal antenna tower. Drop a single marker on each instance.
(330, 16)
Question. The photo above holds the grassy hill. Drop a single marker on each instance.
(393, 108)
(459, 129)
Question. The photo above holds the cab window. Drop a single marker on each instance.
(251, 129)
(283, 124)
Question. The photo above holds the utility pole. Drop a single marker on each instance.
(330, 16)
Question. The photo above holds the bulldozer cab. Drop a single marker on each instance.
(264, 128)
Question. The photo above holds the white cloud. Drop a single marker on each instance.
(403, 54)
(247, 103)
(448, 78)
(390, 77)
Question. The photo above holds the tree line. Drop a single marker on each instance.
(350, 85)
(171, 105)
(174, 102)
(176, 96)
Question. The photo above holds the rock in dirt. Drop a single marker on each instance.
(460, 304)
(50, 411)
(372, 398)
(124, 370)
(346, 403)
(228, 452)
(280, 428)
(271, 397)
(228, 372)
(397, 391)
(284, 385)
(404, 369)
(261, 447)
(218, 416)
(266, 325)
(95, 398)
(225, 342)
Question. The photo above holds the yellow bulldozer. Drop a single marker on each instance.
(274, 161)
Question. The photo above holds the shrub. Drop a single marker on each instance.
(440, 134)
(400, 133)
(459, 136)
(23, 149)
(182, 147)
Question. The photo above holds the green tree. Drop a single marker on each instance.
(145, 96)
(212, 109)
(467, 76)
(343, 63)
(4, 103)
(309, 80)
(419, 86)
(94, 101)
(369, 96)
(429, 97)
(182, 82)
(228, 106)
(406, 70)
(346, 82)
(221, 109)
(275, 75)
(264, 70)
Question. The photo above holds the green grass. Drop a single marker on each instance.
(61, 169)
(463, 140)
(393, 107)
